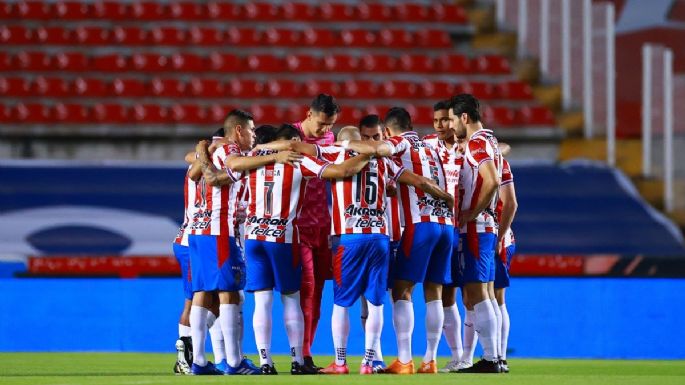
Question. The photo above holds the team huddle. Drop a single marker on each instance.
(376, 209)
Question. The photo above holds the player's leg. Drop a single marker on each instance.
(307, 292)
(184, 345)
(215, 333)
(502, 282)
(495, 307)
(377, 256)
(322, 258)
(363, 311)
(260, 280)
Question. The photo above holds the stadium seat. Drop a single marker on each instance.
(150, 62)
(168, 88)
(52, 36)
(399, 89)
(14, 87)
(265, 63)
(130, 36)
(93, 87)
(16, 34)
(206, 36)
(188, 113)
(281, 37)
(92, 36)
(149, 113)
(537, 115)
(50, 87)
(420, 114)
(503, 116)
(358, 38)
(319, 38)
(413, 13)
(451, 63)
(72, 10)
(70, 113)
(315, 87)
(449, 13)
(336, 12)
(379, 110)
(219, 10)
(74, 62)
(217, 112)
(261, 11)
(515, 90)
(30, 113)
(187, 11)
(396, 38)
(187, 62)
(436, 90)
(349, 115)
(267, 113)
(5, 62)
(31, 61)
(243, 37)
(341, 63)
(378, 63)
(416, 63)
(168, 36)
(432, 38)
(303, 63)
(244, 88)
(295, 11)
(480, 90)
(129, 88)
(492, 65)
(110, 10)
(5, 111)
(33, 10)
(375, 12)
(206, 88)
(110, 113)
(294, 112)
(110, 63)
(360, 89)
(282, 88)
(6, 12)
(225, 63)
(148, 10)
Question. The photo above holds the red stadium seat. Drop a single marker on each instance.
(360, 89)
(91, 87)
(14, 87)
(480, 90)
(537, 115)
(73, 62)
(216, 113)
(168, 88)
(110, 113)
(375, 12)
(341, 63)
(34, 10)
(187, 62)
(315, 87)
(111, 10)
(70, 113)
(16, 34)
(261, 11)
(243, 37)
(187, 10)
(31, 61)
(225, 63)
(416, 63)
(378, 63)
(148, 10)
(150, 62)
(358, 38)
(449, 13)
(188, 113)
(303, 63)
(282, 88)
(437, 90)
(50, 87)
(420, 114)
(72, 10)
(265, 63)
(219, 10)
(110, 63)
(413, 12)
(6, 12)
(515, 90)
(206, 36)
(130, 36)
(396, 38)
(459, 64)
(92, 36)
(349, 115)
(337, 12)
(492, 65)
(129, 88)
(503, 116)
(53, 36)
(281, 37)
(5, 63)
(5, 111)
(244, 88)
(293, 11)
(150, 113)
(399, 89)
(432, 38)
(207, 88)
(319, 38)
(294, 112)
(267, 113)
(169, 36)
(31, 113)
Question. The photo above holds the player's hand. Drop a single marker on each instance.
(500, 243)
(288, 157)
(450, 202)
(465, 216)
(391, 189)
(202, 148)
(277, 145)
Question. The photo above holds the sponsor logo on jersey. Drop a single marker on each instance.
(364, 217)
(268, 227)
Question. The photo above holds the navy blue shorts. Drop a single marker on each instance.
(272, 265)
(425, 253)
(216, 263)
(394, 246)
(478, 257)
(502, 267)
(182, 254)
(360, 266)
(457, 275)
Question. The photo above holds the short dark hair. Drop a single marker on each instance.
(325, 103)
(371, 120)
(398, 119)
(287, 132)
(264, 134)
(441, 105)
(237, 117)
(466, 103)
(219, 133)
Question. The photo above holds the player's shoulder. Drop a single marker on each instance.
(430, 137)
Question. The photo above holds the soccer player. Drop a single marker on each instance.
(479, 181)
(506, 247)
(444, 134)
(314, 221)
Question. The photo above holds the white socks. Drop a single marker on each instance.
(486, 326)
(403, 321)
(217, 338)
(198, 333)
(262, 323)
(470, 336)
(364, 310)
(230, 318)
(435, 318)
(340, 325)
(183, 331)
(294, 325)
(241, 324)
(505, 331)
(498, 328)
(452, 330)
(372, 333)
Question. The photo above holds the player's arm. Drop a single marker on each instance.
(426, 185)
(212, 175)
(504, 148)
(195, 172)
(347, 168)
(290, 145)
(488, 174)
(376, 148)
(190, 157)
(507, 194)
(245, 163)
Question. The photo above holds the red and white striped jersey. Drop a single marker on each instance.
(481, 147)
(393, 214)
(507, 178)
(215, 206)
(275, 193)
(359, 201)
(415, 155)
(452, 162)
(188, 195)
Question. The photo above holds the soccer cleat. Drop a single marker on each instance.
(246, 367)
(464, 365)
(182, 366)
(207, 370)
(483, 366)
(333, 368)
(268, 370)
(309, 363)
(396, 367)
(451, 367)
(187, 349)
(428, 368)
(300, 369)
(223, 366)
(366, 369)
(378, 366)
(504, 366)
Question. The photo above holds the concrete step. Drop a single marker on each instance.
(628, 152)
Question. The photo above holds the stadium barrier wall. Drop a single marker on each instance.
(550, 317)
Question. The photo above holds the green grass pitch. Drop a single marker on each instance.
(132, 368)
